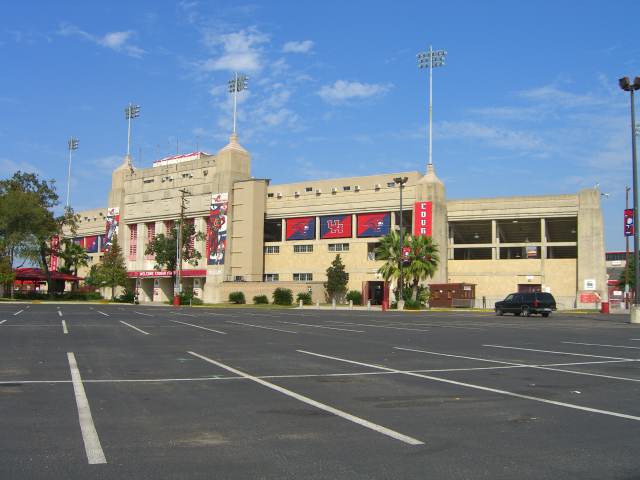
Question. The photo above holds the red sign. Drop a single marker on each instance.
(628, 223)
(55, 245)
(591, 297)
(423, 219)
(165, 273)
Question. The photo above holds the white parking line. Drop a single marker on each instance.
(319, 326)
(18, 312)
(379, 326)
(480, 387)
(64, 327)
(2, 322)
(259, 326)
(602, 345)
(145, 314)
(102, 313)
(526, 365)
(135, 328)
(198, 326)
(59, 313)
(184, 314)
(89, 434)
(559, 353)
(347, 416)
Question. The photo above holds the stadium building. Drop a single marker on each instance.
(261, 235)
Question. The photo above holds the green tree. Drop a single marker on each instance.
(337, 279)
(389, 252)
(422, 262)
(112, 272)
(93, 278)
(630, 270)
(164, 249)
(27, 220)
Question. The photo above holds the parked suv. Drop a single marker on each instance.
(526, 304)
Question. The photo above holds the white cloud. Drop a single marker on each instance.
(492, 135)
(241, 51)
(343, 90)
(298, 47)
(11, 166)
(562, 98)
(117, 41)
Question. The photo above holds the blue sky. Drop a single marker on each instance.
(527, 104)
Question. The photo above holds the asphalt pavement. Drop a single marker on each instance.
(114, 392)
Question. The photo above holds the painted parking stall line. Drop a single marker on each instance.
(102, 313)
(145, 314)
(198, 326)
(480, 387)
(92, 446)
(65, 330)
(602, 345)
(558, 353)
(2, 322)
(59, 313)
(320, 326)
(18, 312)
(260, 326)
(135, 328)
(347, 416)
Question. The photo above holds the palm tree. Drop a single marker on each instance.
(74, 256)
(423, 261)
(389, 251)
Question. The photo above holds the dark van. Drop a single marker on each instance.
(526, 304)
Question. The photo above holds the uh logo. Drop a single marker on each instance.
(335, 226)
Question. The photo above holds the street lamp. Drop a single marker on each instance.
(132, 111)
(401, 181)
(430, 60)
(627, 86)
(237, 84)
(72, 144)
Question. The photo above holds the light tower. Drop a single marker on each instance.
(72, 145)
(430, 60)
(131, 111)
(237, 84)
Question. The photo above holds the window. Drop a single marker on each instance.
(303, 277)
(272, 249)
(269, 195)
(302, 248)
(151, 231)
(148, 180)
(391, 184)
(189, 224)
(168, 226)
(346, 188)
(371, 251)
(238, 278)
(271, 277)
(308, 189)
(338, 247)
(133, 241)
(273, 230)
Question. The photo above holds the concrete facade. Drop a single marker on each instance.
(553, 243)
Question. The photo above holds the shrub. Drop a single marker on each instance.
(305, 297)
(355, 296)
(260, 299)
(237, 298)
(127, 297)
(196, 301)
(282, 296)
(410, 304)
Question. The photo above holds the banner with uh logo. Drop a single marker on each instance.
(423, 219)
(335, 226)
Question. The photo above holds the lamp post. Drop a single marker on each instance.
(72, 144)
(131, 111)
(401, 181)
(237, 84)
(430, 60)
(627, 86)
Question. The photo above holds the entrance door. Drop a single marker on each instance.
(376, 292)
(529, 287)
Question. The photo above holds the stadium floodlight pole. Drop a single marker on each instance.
(401, 181)
(430, 60)
(237, 84)
(72, 144)
(627, 86)
(131, 111)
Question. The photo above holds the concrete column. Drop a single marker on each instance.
(494, 240)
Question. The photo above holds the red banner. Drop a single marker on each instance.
(423, 219)
(55, 246)
(629, 227)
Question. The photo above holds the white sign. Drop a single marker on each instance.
(589, 284)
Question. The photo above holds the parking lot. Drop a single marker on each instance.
(107, 391)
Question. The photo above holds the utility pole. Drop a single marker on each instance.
(179, 230)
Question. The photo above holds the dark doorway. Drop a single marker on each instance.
(529, 287)
(375, 292)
